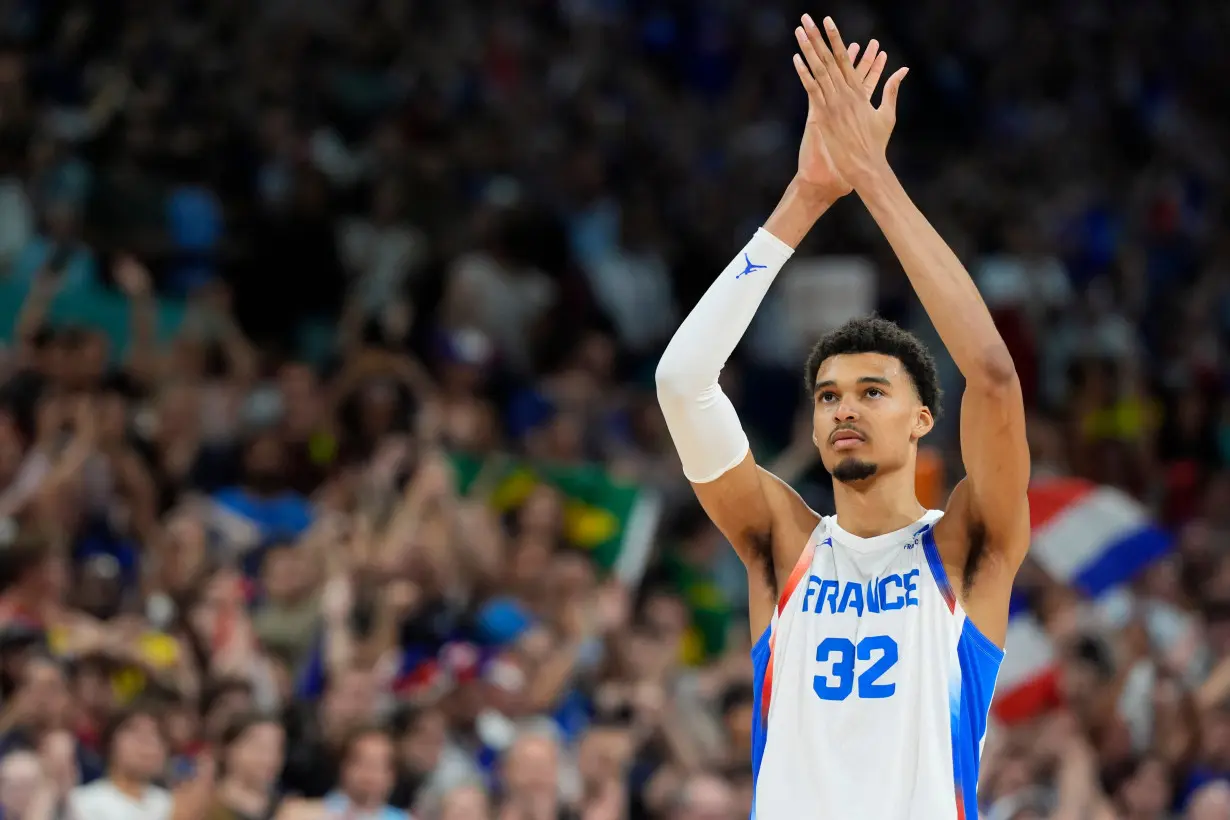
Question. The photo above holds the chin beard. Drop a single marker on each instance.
(852, 470)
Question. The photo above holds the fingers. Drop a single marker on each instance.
(873, 76)
(872, 67)
(822, 69)
(821, 75)
(869, 56)
(891, 88)
(840, 55)
(824, 66)
(809, 82)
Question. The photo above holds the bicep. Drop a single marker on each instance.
(751, 507)
(737, 504)
(995, 452)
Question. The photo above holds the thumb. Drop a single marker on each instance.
(888, 102)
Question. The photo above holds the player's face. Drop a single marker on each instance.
(867, 417)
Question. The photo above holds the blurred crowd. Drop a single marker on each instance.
(331, 479)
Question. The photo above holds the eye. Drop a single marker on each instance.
(874, 393)
(828, 396)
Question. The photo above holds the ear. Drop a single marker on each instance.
(923, 424)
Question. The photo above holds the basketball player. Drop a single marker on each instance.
(880, 628)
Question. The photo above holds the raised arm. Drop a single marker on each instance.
(745, 502)
(742, 500)
(993, 442)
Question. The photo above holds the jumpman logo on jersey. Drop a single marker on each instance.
(750, 267)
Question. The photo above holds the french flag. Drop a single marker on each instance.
(1090, 537)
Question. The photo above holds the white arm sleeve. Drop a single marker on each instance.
(701, 419)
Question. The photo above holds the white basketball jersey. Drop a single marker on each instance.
(872, 687)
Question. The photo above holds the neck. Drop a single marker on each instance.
(130, 786)
(363, 805)
(883, 503)
(247, 800)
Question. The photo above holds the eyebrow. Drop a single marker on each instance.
(827, 383)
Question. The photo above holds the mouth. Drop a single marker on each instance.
(846, 439)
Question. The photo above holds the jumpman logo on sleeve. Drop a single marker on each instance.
(750, 267)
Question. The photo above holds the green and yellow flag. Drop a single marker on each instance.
(615, 520)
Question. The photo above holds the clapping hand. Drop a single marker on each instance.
(815, 165)
(854, 133)
(132, 277)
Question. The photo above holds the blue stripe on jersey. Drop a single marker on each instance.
(760, 728)
(936, 564)
(979, 660)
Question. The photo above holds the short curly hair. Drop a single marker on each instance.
(871, 334)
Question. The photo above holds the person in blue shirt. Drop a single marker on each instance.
(262, 510)
(58, 251)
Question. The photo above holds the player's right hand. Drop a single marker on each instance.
(815, 165)
(855, 133)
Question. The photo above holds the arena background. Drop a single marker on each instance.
(330, 461)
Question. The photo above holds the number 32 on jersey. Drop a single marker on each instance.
(841, 658)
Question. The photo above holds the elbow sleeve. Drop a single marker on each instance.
(706, 431)
(700, 417)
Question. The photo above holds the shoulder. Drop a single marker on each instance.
(100, 798)
(299, 809)
(159, 798)
(89, 793)
(793, 520)
(98, 790)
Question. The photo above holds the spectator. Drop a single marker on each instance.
(430, 764)
(136, 754)
(317, 747)
(58, 252)
(21, 777)
(705, 798)
(530, 777)
(366, 779)
(358, 429)
(467, 802)
(251, 754)
(1209, 802)
(262, 509)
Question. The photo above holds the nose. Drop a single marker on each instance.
(846, 411)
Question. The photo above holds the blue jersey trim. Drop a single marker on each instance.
(970, 702)
(760, 729)
(936, 565)
(940, 575)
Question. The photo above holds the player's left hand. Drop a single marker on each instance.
(815, 166)
(855, 133)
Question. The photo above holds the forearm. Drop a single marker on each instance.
(549, 680)
(944, 287)
(32, 316)
(240, 356)
(796, 212)
(1077, 784)
(142, 323)
(700, 417)
(339, 645)
(708, 335)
